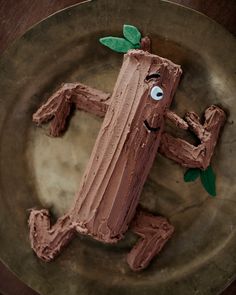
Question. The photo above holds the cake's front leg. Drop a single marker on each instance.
(187, 154)
(58, 106)
(154, 232)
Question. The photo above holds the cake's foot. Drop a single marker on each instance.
(58, 106)
(154, 231)
(187, 154)
(47, 241)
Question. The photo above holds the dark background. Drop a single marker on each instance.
(17, 16)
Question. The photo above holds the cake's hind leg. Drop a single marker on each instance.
(154, 231)
(46, 240)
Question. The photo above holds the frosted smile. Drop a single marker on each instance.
(150, 128)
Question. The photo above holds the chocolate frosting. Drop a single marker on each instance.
(48, 241)
(187, 154)
(125, 149)
(154, 231)
(176, 120)
(58, 106)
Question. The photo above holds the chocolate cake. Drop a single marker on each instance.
(131, 135)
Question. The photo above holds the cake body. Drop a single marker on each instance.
(125, 148)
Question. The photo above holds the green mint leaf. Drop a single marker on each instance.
(191, 174)
(132, 34)
(117, 44)
(208, 180)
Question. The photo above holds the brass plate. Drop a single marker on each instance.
(39, 171)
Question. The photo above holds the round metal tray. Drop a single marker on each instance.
(39, 171)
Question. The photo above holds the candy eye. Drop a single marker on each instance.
(157, 93)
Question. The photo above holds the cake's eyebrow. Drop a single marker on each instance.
(153, 76)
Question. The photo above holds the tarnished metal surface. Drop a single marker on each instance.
(40, 171)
